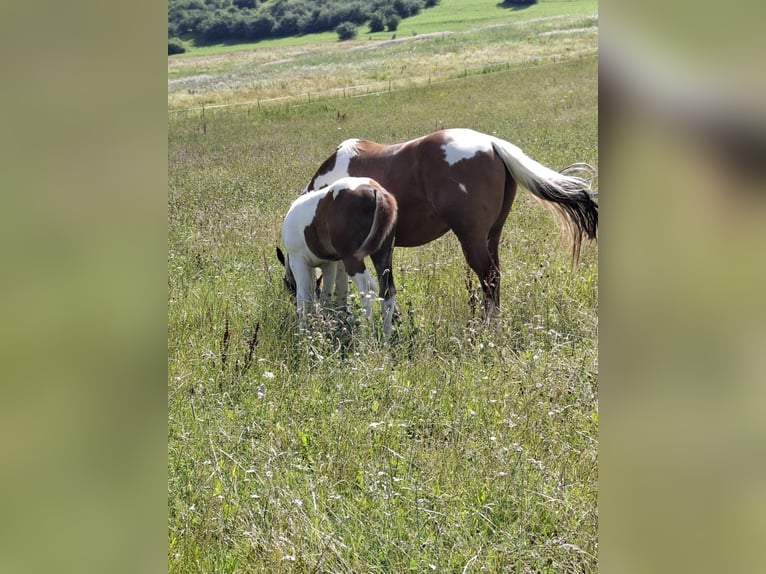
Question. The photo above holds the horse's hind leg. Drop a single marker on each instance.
(493, 238)
(382, 260)
(476, 251)
(493, 247)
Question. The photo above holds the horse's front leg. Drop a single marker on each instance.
(365, 284)
(384, 269)
(341, 286)
(329, 273)
(305, 285)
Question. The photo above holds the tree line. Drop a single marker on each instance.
(216, 21)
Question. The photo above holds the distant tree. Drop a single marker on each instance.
(175, 46)
(392, 22)
(216, 27)
(406, 8)
(346, 31)
(288, 25)
(261, 26)
(356, 12)
(213, 21)
(377, 22)
(239, 26)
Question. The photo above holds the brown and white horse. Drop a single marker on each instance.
(344, 222)
(464, 181)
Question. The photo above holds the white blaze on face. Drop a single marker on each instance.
(343, 155)
(464, 144)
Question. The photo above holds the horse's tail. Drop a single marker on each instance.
(383, 221)
(568, 196)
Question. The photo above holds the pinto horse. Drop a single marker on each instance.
(344, 222)
(464, 181)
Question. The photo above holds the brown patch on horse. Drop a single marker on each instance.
(396, 168)
(383, 222)
(318, 233)
(349, 224)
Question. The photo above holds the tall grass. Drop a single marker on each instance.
(457, 447)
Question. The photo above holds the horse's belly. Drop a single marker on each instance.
(418, 227)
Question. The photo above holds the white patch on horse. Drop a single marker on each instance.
(464, 144)
(462, 188)
(349, 183)
(343, 155)
(300, 216)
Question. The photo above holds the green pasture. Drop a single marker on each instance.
(459, 15)
(452, 15)
(330, 69)
(456, 447)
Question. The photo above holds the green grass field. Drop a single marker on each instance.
(453, 15)
(320, 67)
(459, 447)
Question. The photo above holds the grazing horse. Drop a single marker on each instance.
(344, 222)
(464, 181)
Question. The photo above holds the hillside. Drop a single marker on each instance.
(453, 39)
(235, 21)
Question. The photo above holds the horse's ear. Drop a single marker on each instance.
(280, 255)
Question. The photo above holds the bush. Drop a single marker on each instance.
(346, 31)
(392, 22)
(377, 22)
(407, 8)
(175, 46)
(261, 26)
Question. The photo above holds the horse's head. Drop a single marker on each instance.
(289, 278)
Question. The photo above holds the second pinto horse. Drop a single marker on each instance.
(344, 222)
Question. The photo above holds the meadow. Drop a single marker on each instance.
(456, 447)
(440, 43)
(447, 15)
